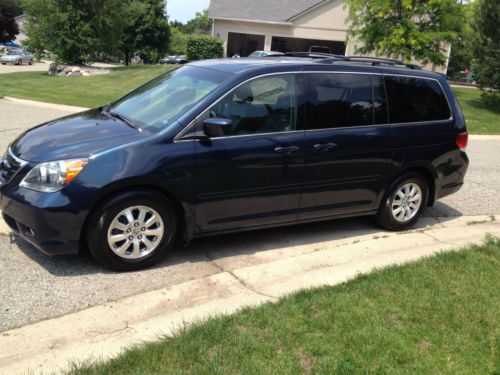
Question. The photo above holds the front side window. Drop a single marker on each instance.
(159, 103)
(263, 105)
(415, 99)
(339, 100)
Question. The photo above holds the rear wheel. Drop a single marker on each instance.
(132, 231)
(404, 202)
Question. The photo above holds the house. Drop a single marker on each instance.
(245, 26)
(20, 22)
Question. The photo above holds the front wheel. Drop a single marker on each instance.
(30, 62)
(132, 231)
(404, 203)
(20, 62)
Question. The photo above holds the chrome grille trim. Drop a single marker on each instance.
(10, 164)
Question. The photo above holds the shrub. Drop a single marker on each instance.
(202, 47)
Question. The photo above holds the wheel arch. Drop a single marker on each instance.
(182, 214)
(425, 171)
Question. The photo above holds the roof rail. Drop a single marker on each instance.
(312, 55)
(332, 58)
(373, 61)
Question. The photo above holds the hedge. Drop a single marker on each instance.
(202, 47)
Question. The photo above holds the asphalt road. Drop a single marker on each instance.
(34, 287)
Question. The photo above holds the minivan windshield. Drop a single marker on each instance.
(159, 103)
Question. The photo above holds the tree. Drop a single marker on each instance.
(74, 31)
(178, 25)
(8, 25)
(78, 31)
(407, 29)
(461, 57)
(487, 49)
(201, 24)
(146, 28)
(178, 42)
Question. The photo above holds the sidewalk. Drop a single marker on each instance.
(34, 103)
(104, 331)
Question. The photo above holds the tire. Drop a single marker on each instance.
(30, 62)
(389, 216)
(20, 62)
(109, 221)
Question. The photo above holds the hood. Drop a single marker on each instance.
(76, 136)
(10, 57)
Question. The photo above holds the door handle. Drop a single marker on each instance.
(324, 146)
(286, 150)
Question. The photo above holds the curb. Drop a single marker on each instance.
(61, 107)
(104, 331)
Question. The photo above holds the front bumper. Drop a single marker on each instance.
(47, 221)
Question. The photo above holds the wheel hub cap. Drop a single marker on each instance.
(135, 232)
(406, 202)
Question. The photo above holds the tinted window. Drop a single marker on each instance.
(263, 105)
(339, 100)
(415, 99)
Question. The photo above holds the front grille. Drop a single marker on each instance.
(9, 166)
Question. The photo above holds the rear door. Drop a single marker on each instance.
(252, 176)
(347, 144)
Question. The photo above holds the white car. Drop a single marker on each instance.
(17, 57)
(265, 53)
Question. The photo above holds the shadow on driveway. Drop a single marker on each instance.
(237, 245)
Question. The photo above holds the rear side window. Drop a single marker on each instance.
(415, 99)
(339, 100)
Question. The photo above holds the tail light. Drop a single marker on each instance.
(462, 140)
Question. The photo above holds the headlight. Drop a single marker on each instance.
(53, 176)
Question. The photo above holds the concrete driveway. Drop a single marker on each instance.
(42, 66)
(36, 287)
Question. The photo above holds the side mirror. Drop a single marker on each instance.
(217, 127)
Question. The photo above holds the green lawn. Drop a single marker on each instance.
(90, 91)
(436, 316)
(481, 119)
(97, 90)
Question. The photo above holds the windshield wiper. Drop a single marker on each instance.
(123, 119)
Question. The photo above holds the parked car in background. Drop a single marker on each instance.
(181, 59)
(168, 60)
(220, 146)
(17, 57)
(265, 53)
(320, 49)
(174, 59)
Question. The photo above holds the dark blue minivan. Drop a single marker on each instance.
(239, 144)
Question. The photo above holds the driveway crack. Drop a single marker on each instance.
(97, 333)
(238, 279)
(437, 239)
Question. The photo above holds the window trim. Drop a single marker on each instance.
(192, 124)
(188, 128)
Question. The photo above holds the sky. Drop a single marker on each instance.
(184, 10)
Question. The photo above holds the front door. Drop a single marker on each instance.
(347, 144)
(251, 176)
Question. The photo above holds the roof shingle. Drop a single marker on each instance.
(259, 10)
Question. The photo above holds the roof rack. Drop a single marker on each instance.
(381, 61)
(312, 55)
(328, 58)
